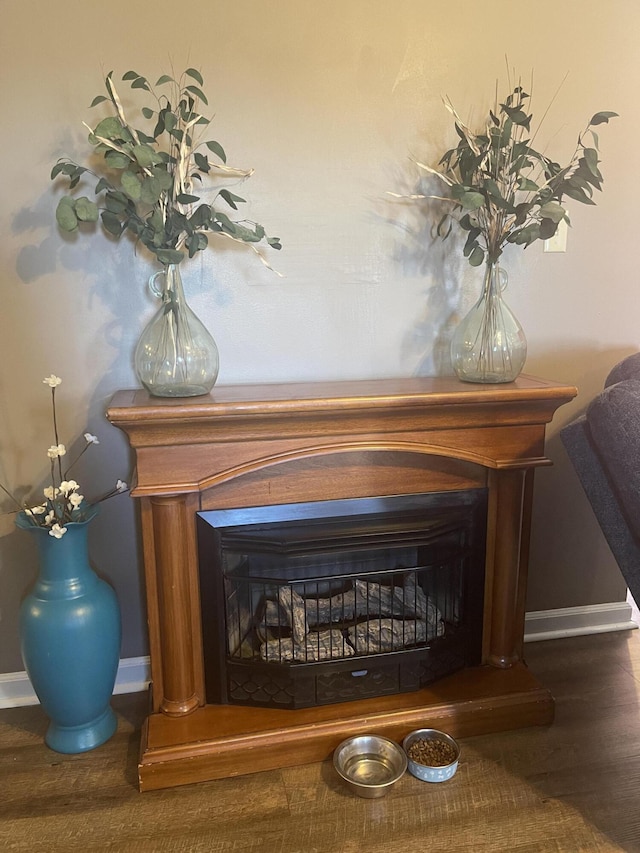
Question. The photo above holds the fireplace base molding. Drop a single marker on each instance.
(244, 446)
(220, 741)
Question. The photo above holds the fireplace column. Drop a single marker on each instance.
(174, 627)
(508, 558)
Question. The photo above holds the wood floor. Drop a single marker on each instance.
(571, 787)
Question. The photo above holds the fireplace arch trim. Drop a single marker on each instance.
(326, 450)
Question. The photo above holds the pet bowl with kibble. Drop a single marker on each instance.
(431, 755)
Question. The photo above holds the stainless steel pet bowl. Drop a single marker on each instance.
(369, 764)
(430, 772)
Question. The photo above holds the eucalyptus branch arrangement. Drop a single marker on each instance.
(151, 177)
(502, 190)
(62, 502)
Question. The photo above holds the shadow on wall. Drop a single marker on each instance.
(114, 271)
(427, 343)
(571, 563)
(114, 537)
(93, 257)
(585, 368)
(18, 562)
(439, 265)
(111, 281)
(109, 284)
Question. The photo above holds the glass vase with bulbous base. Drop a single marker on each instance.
(176, 356)
(489, 345)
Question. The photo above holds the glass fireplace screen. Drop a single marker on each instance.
(327, 602)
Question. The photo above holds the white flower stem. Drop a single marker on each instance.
(55, 432)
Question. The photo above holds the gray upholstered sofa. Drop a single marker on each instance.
(604, 447)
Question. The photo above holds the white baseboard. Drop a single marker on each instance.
(578, 621)
(133, 673)
(16, 690)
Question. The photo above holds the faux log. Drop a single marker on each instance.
(366, 599)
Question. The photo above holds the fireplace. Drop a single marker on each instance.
(264, 469)
(323, 602)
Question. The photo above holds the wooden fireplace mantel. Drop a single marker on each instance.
(249, 445)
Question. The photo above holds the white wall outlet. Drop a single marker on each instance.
(557, 243)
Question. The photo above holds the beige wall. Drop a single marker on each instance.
(326, 101)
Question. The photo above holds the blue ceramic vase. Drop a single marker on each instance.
(70, 635)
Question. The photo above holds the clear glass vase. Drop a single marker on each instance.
(489, 344)
(176, 356)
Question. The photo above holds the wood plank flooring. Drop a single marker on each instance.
(567, 788)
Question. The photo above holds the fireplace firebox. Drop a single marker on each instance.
(332, 601)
